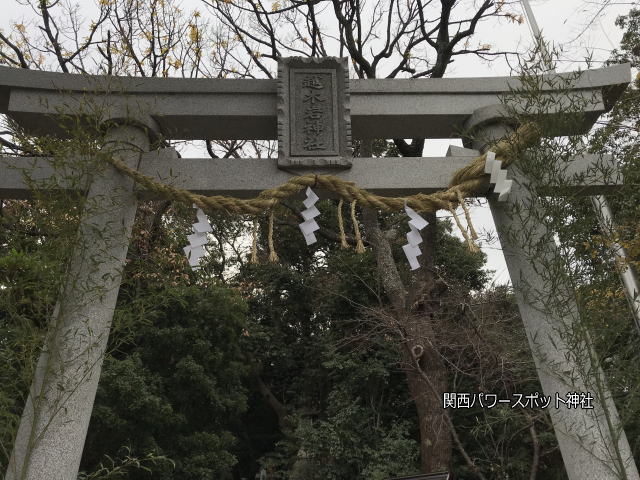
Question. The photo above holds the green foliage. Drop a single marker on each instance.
(120, 467)
(586, 262)
(171, 383)
(23, 310)
(454, 260)
(366, 430)
(317, 338)
(605, 298)
(175, 388)
(35, 239)
(493, 357)
(182, 393)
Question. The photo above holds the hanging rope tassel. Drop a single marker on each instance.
(343, 237)
(467, 214)
(356, 228)
(273, 256)
(465, 234)
(254, 243)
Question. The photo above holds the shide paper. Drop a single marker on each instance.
(309, 226)
(502, 185)
(411, 249)
(198, 239)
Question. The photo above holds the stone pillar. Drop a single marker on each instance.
(55, 420)
(550, 315)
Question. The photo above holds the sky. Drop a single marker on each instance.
(577, 28)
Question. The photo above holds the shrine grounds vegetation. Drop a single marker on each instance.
(303, 367)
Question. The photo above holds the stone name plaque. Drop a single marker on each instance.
(314, 125)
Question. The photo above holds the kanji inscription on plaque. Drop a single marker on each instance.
(314, 127)
(313, 115)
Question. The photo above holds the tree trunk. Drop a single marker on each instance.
(435, 437)
(417, 346)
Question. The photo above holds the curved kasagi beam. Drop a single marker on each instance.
(228, 109)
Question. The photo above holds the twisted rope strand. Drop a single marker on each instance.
(356, 228)
(254, 242)
(466, 182)
(273, 256)
(465, 234)
(343, 237)
(467, 215)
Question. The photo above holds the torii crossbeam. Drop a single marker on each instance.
(50, 439)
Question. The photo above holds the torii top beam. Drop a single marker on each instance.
(228, 109)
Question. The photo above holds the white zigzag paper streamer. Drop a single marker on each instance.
(502, 185)
(198, 239)
(411, 249)
(310, 225)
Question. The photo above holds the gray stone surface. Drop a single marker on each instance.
(54, 423)
(314, 123)
(585, 439)
(50, 438)
(247, 177)
(247, 109)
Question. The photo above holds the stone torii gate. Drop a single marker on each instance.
(51, 435)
